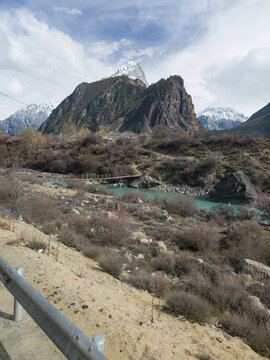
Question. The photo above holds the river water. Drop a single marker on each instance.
(201, 203)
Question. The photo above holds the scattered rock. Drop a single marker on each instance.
(76, 211)
(257, 270)
(138, 235)
(145, 241)
(256, 304)
(144, 182)
(140, 256)
(161, 245)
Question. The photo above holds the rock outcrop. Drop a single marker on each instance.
(164, 103)
(257, 270)
(233, 187)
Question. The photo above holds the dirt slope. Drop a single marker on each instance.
(120, 312)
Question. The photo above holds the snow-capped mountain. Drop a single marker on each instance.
(31, 116)
(133, 70)
(220, 118)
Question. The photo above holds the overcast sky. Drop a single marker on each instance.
(221, 48)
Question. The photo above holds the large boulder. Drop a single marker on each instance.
(257, 270)
(145, 182)
(233, 187)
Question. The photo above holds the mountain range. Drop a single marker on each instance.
(220, 118)
(121, 103)
(31, 116)
(126, 102)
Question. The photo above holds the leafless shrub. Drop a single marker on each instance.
(227, 292)
(183, 264)
(246, 213)
(90, 250)
(181, 205)
(39, 208)
(68, 236)
(262, 291)
(247, 239)
(220, 214)
(111, 263)
(33, 240)
(11, 190)
(189, 305)
(79, 195)
(199, 237)
(161, 285)
(4, 225)
(29, 178)
(142, 281)
(248, 327)
(112, 229)
(164, 263)
(133, 196)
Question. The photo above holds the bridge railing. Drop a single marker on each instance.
(71, 341)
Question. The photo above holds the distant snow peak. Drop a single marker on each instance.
(133, 70)
(220, 118)
(32, 115)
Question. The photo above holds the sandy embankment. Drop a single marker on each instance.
(120, 312)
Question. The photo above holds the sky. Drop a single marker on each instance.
(221, 48)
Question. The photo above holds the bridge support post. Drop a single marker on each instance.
(17, 305)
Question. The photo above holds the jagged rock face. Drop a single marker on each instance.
(31, 116)
(233, 187)
(132, 70)
(122, 104)
(99, 104)
(166, 103)
(220, 118)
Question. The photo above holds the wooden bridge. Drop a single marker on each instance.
(88, 177)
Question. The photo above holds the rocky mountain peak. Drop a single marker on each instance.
(133, 70)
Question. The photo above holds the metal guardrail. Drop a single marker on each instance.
(71, 341)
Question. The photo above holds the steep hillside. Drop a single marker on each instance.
(258, 124)
(95, 105)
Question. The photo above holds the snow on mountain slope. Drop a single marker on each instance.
(31, 116)
(220, 118)
(133, 70)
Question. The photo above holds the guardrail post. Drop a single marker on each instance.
(99, 341)
(17, 305)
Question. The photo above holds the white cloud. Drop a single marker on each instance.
(103, 49)
(73, 11)
(39, 63)
(230, 63)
